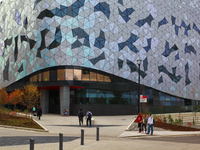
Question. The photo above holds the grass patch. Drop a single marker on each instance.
(13, 120)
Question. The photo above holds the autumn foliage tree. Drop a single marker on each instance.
(16, 97)
(3, 98)
(31, 96)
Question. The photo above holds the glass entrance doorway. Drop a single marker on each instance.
(54, 101)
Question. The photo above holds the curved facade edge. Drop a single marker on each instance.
(108, 36)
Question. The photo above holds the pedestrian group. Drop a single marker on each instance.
(88, 117)
(143, 121)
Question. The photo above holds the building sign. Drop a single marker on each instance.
(143, 99)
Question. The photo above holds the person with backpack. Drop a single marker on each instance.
(150, 123)
(80, 117)
(89, 117)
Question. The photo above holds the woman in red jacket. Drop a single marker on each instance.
(139, 120)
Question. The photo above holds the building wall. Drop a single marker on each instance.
(104, 35)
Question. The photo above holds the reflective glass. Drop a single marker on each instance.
(60, 74)
(46, 76)
(69, 74)
(93, 76)
(77, 74)
(100, 77)
(35, 78)
(53, 75)
(85, 75)
(107, 79)
(40, 77)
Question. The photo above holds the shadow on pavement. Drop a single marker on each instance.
(23, 140)
(183, 139)
(93, 126)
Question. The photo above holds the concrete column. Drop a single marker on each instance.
(44, 101)
(64, 99)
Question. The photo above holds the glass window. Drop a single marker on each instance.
(99, 77)
(93, 76)
(46, 76)
(85, 75)
(107, 79)
(61, 74)
(69, 74)
(53, 75)
(40, 77)
(31, 79)
(77, 74)
(35, 78)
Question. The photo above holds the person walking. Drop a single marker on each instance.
(144, 122)
(89, 117)
(150, 124)
(139, 120)
(39, 112)
(80, 117)
(34, 111)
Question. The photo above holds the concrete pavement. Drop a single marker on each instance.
(112, 135)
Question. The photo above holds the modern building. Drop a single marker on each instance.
(83, 53)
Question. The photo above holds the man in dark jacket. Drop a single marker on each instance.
(39, 112)
(80, 117)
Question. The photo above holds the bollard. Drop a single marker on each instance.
(60, 141)
(31, 144)
(82, 137)
(97, 133)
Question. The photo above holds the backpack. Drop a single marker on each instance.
(153, 121)
(81, 114)
(89, 116)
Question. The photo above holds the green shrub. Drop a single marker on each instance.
(193, 122)
(164, 119)
(155, 117)
(180, 121)
(7, 110)
(26, 111)
(176, 122)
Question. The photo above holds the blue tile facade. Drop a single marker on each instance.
(109, 36)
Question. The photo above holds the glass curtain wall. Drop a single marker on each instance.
(94, 96)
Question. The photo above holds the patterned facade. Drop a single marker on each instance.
(108, 36)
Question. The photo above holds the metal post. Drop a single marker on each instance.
(97, 133)
(139, 61)
(197, 120)
(82, 137)
(31, 144)
(60, 141)
(182, 121)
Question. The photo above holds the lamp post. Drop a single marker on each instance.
(139, 62)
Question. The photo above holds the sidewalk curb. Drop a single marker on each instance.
(149, 136)
(23, 128)
(41, 126)
(128, 127)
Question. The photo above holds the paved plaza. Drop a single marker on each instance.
(112, 136)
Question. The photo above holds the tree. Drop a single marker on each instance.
(31, 96)
(3, 98)
(16, 97)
